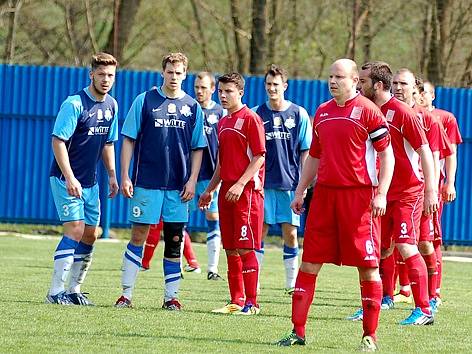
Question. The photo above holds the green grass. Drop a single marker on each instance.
(28, 325)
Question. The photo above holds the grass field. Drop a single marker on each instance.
(27, 325)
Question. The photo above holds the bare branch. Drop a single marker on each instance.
(91, 33)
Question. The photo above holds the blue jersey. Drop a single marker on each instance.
(287, 134)
(85, 125)
(165, 131)
(212, 115)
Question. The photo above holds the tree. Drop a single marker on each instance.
(258, 37)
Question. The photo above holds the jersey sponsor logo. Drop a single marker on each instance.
(389, 115)
(169, 123)
(171, 108)
(277, 122)
(91, 114)
(212, 118)
(239, 124)
(264, 123)
(208, 130)
(356, 112)
(156, 109)
(98, 130)
(99, 115)
(108, 115)
(278, 135)
(185, 111)
(290, 122)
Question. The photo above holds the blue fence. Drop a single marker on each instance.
(30, 97)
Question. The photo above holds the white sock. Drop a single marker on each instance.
(291, 265)
(213, 250)
(82, 262)
(172, 276)
(63, 259)
(131, 265)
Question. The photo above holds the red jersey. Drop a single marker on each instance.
(241, 136)
(449, 123)
(345, 140)
(407, 136)
(431, 128)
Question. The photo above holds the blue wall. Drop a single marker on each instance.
(30, 97)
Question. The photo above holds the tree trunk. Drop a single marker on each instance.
(258, 37)
(237, 37)
(203, 43)
(9, 52)
(434, 66)
(123, 22)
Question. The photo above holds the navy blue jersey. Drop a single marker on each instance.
(85, 125)
(287, 134)
(165, 131)
(212, 115)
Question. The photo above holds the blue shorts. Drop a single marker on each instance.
(277, 207)
(71, 208)
(148, 206)
(201, 186)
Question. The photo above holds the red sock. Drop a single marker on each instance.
(250, 269)
(151, 243)
(387, 272)
(301, 301)
(235, 280)
(418, 281)
(431, 266)
(189, 254)
(438, 251)
(371, 293)
(403, 275)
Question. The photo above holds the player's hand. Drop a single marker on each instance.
(379, 205)
(74, 188)
(188, 192)
(430, 202)
(448, 192)
(234, 193)
(127, 187)
(113, 187)
(205, 200)
(297, 204)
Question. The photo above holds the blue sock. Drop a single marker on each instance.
(172, 277)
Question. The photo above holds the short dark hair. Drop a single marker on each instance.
(379, 72)
(419, 84)
(102, 58)
(234, 77)
(274, 70)
(174, 58)
(203, 74)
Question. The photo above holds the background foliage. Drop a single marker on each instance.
(432, 37)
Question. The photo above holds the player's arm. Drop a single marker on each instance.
(189, 189)
(387, 164)
(125, 160)
(108, 157)
(430, 191)
(309, 172)
(449, 190)
(206, 197)
(252, 169)
(59, 149)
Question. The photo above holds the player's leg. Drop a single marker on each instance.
(71, 213)
(84, 251)
(289, 222)
(173, 234)
(438, 251)
(152, 241)
(248, 221)
(371, 295)
(175, 214)
(404, 294)
(145, 210)
(213, 243)
(189, 254)
(269, 219)
(290, 256)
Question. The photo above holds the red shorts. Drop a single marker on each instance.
(401, 222)
(241, 222)
(340, 228)
(426, 228)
